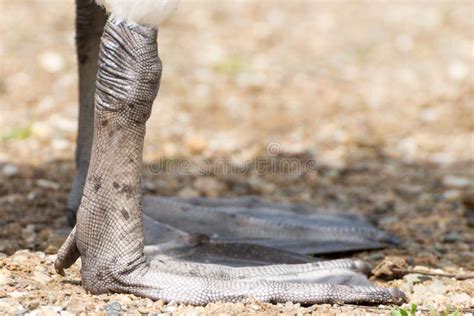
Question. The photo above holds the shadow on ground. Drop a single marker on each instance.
(430, 206)
(427, 205)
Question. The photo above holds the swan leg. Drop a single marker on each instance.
(109, 234)
(90, 21)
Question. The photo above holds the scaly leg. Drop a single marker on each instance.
(109, 234)
(90, 21)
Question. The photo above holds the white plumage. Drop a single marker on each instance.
(144, 12)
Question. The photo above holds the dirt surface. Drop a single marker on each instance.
(379, 95)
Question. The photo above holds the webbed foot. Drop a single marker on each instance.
(109, 234)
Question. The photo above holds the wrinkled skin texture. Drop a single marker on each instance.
(109, 234)
(90, 21)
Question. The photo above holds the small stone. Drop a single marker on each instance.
(21, 257)
(9, 170)
(452, 195)
(254, 307)
(51, 61)
(150, 186)
(47, 184)
(462, 300)
(28, 231)
(20, 310)
(47, 311)
(209, 186)
(75, 306)
(143, 310)
(51, 298)
(42, 130)
(388, 220)
(376, 256)
(7, 245)
(457, 182)
(451, 237)
(158, 305)
(196, 144)
(437, 287)
(6, 278)
(113, 308)
(170, 308)
(41, 277)
(415, 278)
(18, 294)
(33, 305)
(457, 70)
(390, 268)
(187, 192)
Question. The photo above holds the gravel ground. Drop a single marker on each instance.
(379, 94)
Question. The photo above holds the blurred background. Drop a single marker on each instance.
(380, 94)
(311, 75)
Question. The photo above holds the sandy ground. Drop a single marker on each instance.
(380, 95)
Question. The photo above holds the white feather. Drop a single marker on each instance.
(144, 12)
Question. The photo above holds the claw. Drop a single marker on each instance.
(363, 267)
(398, 296)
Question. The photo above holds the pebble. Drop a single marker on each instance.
(51, 61)
(457, 70)
(188, 192)
(452, 195)
(150, 186)
(437, 287)
(457, 182)
(9, 170)
(41, 277)
(46, 311)
(415, 278)
(377, 256)
(42, 130)
(75, 306)
(196, 144)
(28, 234)
(113, 308)
(33, 305)
(17, 294)
(388, 220)
(158, 305)
(451, 237)
(170, 308)
(462, 299)
(19, 310)
(6, 278)
(47, 184)
(390, 268)
(211, 187)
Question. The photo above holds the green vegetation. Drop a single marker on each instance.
(17, 133)
(230, 66)
(449, 311)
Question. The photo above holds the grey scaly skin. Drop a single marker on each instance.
(90, 21)
(109, 234)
